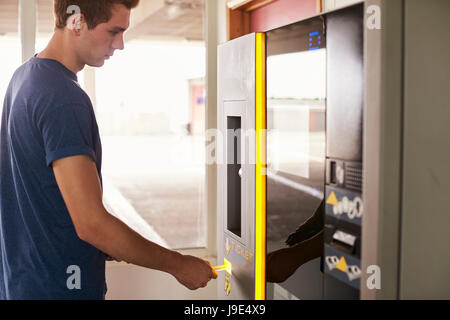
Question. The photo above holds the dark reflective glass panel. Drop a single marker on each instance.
(296, 91)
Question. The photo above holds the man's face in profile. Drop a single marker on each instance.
(98, 44)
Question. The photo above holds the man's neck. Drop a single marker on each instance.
(59, 49)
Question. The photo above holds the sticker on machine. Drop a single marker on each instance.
(227, 285)
(342, 266)
(238, 249)
(344, 205)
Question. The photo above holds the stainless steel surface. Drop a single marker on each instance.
(236, 97)
(382, 148)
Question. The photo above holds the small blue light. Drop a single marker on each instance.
(319, 43)
(315, 48)
(315, 192)
(310, 44)
(310, 39)
(312, 34)
(319, 37)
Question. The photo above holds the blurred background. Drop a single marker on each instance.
(150, 106)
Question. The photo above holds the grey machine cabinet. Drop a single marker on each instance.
(319, 138)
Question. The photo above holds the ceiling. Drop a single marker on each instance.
(8, 16)
(162, 19)
(9, 11)
(176, 19)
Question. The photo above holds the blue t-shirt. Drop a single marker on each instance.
(46, 116)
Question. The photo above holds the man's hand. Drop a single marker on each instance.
(193, 272)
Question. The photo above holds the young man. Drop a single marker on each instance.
(53, 225)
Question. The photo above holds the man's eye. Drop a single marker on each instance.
(114, 33)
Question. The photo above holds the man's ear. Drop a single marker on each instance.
(75, 22)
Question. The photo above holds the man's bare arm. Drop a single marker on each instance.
(80, 187)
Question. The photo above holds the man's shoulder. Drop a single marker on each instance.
(51, 88)
(51, 80)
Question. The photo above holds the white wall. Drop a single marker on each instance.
(425, 217)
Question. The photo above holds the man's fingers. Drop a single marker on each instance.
(196, 275)
(213, 273)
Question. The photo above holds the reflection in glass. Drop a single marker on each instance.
(296, 91)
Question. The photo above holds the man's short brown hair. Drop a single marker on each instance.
(94, 11)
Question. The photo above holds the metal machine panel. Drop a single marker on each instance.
(236, 107)
(344, 206)
(345, 83)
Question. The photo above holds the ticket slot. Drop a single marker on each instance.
(343, 239)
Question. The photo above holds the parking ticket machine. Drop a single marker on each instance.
(290, 104)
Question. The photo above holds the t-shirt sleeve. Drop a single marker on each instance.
(66, 132)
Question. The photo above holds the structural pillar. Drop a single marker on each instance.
(27, 27)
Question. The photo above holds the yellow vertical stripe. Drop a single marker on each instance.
(260, 177)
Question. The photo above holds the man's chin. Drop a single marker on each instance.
(97, 64)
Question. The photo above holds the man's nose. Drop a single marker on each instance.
(118, 43)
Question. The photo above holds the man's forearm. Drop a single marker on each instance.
(119, 241)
